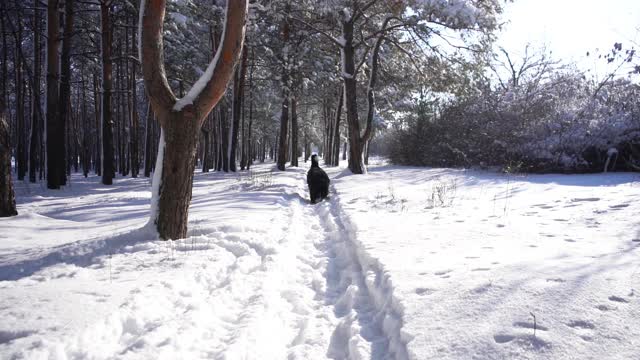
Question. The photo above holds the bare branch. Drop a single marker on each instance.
(319, 31)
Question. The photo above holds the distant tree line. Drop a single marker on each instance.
(531, 114)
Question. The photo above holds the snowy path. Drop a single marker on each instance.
(404, 263)
(369, 320)
(263, 275)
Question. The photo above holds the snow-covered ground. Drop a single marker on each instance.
(403, 263)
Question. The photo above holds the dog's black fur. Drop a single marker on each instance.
(318, 181)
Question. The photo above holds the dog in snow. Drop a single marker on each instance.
(317, 180)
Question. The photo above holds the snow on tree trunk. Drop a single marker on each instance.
(180, 136)
(182, 119)
(156, 182)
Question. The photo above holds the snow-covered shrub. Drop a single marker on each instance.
(565, 123)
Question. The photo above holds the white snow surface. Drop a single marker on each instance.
(402, 263)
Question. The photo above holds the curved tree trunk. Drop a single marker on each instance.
(356, 162)
(356, 141)
(181, 119)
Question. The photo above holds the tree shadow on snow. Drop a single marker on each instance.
(80, 253)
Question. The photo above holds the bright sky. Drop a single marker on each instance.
(570, 28)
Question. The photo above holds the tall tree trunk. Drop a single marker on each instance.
(356, 164)
(53, 112)
(181, 120)
(284, 115)
(335, 161)
(327, 134)
(74, 133)
(147, 142)
(217, 138)
(108, 163)
(4, 97)
(205, 152)
(238, 94)
(225, 138)
(65, 88)
(86, 162)
(282, 141)
(7, 194)
(20, 104)
(294, 131)
(133, 100)
(119, 119)
(366, 152)
(249, 133)
(97, 111)
(371, 102)
(35, 140)
(356, 141)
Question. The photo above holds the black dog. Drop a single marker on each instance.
(318, 181)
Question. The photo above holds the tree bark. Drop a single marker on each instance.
(147, 142)
(327, 134)
(249, 131)
(133, 97)
(238, 93)
(108, 163)
(86, 157)
(356, 164)
(294, 132)
(356, 141)
(344, 152)
(205, 151)
(4, 97)
(284, 115)
(7, 194)
(335, 152)
(35, 140)
(53, 112)
(282, 142)
(119, 118)
(20, 118)
(97, 164)
(181, 120)
(225, 124)
(65, 90)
